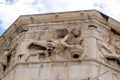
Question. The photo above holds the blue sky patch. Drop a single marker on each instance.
(1, 31)
(9, 2)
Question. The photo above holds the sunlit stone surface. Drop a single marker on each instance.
(78, 45)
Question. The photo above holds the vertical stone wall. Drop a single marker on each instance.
(62, 51)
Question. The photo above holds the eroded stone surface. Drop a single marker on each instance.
(65, 48)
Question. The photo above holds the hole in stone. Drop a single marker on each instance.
(76, 56)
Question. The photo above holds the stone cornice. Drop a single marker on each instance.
(60, 17)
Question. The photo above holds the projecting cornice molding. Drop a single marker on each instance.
(60, 17)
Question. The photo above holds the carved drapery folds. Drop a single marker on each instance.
(61, 44)
(62, 41)
(74, 45)
(111, 50)
(73, 40)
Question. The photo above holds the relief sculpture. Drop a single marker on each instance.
(73, 40)
(48, 47)
(61, 40)
(3, 62)
(75, 45)
(112, 48)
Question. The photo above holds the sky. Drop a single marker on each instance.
(10, 10)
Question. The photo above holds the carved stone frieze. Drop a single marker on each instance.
(81, 45)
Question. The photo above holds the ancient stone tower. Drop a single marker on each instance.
(78, 45)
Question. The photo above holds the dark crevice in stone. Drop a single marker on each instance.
(104, 16)
(92, 26)
(24, 30)
(42, 55)
(36, 47)
(115, 32)
(4, 67)
(50, 52)
(113, 59)
(8, 59)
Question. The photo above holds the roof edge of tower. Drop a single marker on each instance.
(60, 16)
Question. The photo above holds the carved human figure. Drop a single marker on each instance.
(117, 44)
(12, 57)
(72, 42)
(1, 68)
(3, 62)
(34, 48)
(111, 48)
(21, 51)
(73, 39)
(56, 49)
(60, 33)
(53, 45)
(56, 44)
(57, 38)
(115, 41)
(42, 48)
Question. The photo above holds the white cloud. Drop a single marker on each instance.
(10, 10)
(9, 13)
(110, 7)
